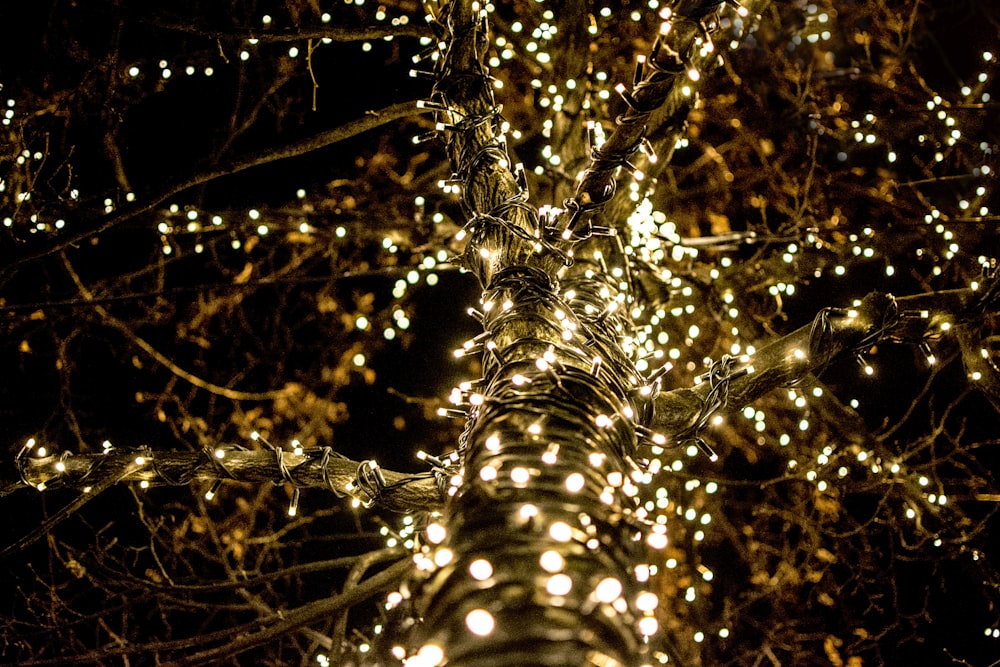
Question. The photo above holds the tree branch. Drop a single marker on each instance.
(379, 583)
(162, 359)
(369, 121)
(666, 87)
(330, 32)
(245, 636)
(790, 359)
(313, 468)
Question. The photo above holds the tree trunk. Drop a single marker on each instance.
(540, 558)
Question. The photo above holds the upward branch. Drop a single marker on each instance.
(552, 431)
(665, 91)
(501, 226)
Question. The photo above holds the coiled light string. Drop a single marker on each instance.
(543, 523)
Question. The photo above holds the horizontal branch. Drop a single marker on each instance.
(790, 359)
(330, 32)
(369, 121)
(313, 468)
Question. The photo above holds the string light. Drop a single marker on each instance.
(529, 379)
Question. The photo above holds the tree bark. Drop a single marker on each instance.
(539, 559)
(402, 492)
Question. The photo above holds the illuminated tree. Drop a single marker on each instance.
(645, 466)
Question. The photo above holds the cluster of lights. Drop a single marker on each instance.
(817, 26)
(177, 223)
(60, 467)
(943, 132)
(971, 207)
(618, 488)
(164, 71)
(535, 45)
(8, 109)
(654, 241)
(29, 161)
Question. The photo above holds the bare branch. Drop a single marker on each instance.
(88, 228)
(249, 635)
(330, 32)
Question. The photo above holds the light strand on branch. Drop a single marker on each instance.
(719, 375)
(102, 223)
(834, 332)
(683, 51)
(315, 467)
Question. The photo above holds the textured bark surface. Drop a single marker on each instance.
(545, 510)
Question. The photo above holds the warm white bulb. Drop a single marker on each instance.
(648, 626)
(559, 584)
(429, 655)
(551, 561)
(575, 482)
(480, 622)
(560, 531)
(520, 475)
(646, 601)
(443, 556)
(608, 590)
(657, 540)
(436, 533)
(480, 569)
